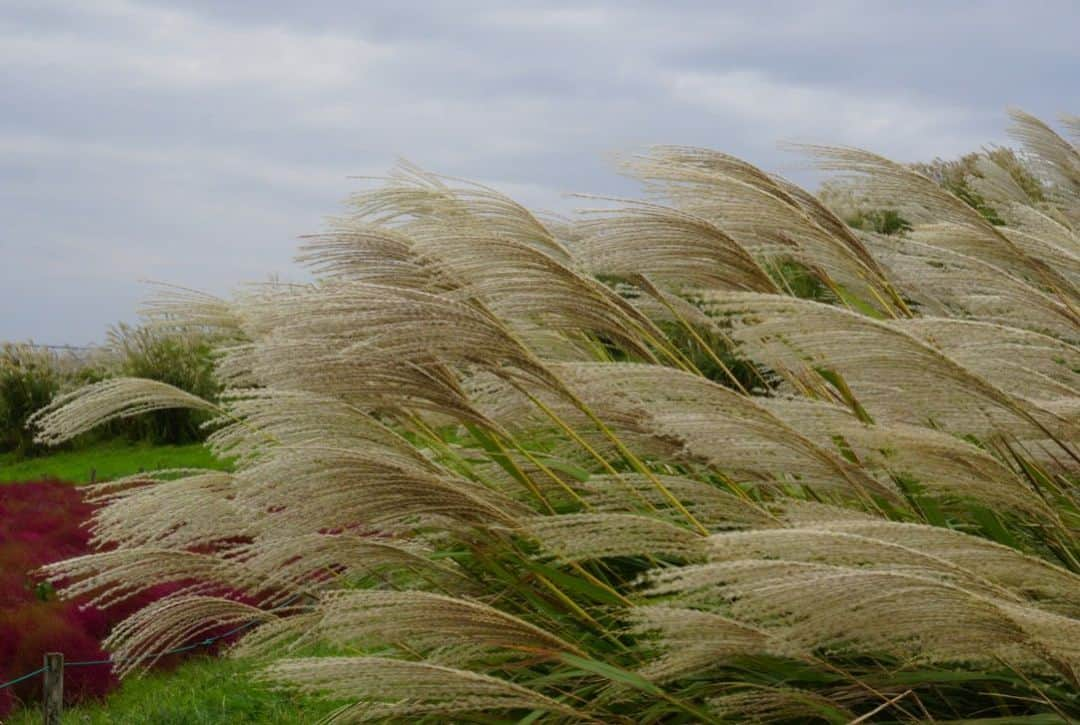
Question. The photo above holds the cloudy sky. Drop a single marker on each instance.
(192, 142)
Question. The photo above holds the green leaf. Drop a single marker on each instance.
(568, 468)
(837, 381)
(993, 527)
(575, 584)
(613, 673)
(497, 455)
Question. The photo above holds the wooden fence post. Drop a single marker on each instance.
(53, 688)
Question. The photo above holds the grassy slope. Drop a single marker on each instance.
(202, 691)
(110, 459)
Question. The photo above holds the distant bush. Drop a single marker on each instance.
(180, 360)
(29, 378)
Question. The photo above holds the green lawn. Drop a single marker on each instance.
(202, 691)
(109, 459)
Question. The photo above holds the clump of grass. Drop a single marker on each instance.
(518, 470)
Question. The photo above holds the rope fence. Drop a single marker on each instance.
(27, 676)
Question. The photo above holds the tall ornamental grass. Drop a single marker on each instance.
(712, 456)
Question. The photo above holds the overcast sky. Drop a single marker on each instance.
(193, 142)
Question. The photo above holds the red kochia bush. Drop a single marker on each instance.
(42, 522)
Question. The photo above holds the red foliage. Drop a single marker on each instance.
(43, 522)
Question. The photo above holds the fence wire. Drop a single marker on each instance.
(110, 661)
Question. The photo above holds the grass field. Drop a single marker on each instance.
(202, 691)
(109, 459)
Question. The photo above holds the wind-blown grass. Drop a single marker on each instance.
(482, 458)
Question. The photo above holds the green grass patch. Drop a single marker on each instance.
(109, 459)
(202, 691)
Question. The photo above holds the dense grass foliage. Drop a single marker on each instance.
(712, 457)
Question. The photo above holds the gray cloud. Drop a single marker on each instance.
(194, 142)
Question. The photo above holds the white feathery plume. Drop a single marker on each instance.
(708, 422)
(140, 640)
(114, 576)
(714, 507)
(196, 510)
(1028, 364)
(77, 412)
(391, 688)
(922, 201)
(369, 489)
(180, 309)
(907, 612)
(677, 250)
(427, 620)
(282, 564)
(949, 284)
(579, 537)
(967, 240)
(1059, 159)
(694, 641)
(968, 561)
(940, 465)
(890, 373)
(1061, 251)
(410, 193)
(767, 222)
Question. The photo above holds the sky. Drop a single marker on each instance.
(193, 143)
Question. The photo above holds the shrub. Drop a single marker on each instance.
(504, 493)
(181, 360)
(29, 378)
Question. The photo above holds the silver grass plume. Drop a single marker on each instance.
(388, 688)
(77, 412)
(925, 202)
